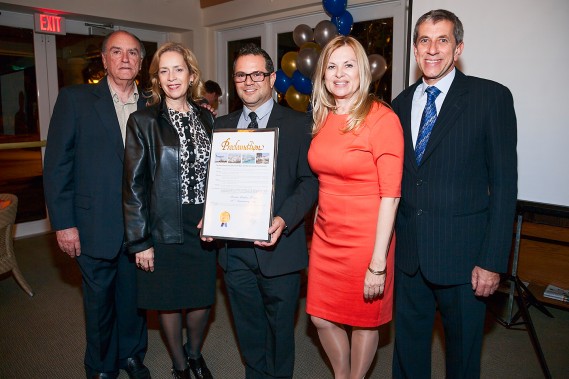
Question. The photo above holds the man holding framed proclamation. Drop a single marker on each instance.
(263, 275)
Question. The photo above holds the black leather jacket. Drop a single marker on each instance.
(152, 204)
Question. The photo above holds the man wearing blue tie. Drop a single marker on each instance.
(459, 189)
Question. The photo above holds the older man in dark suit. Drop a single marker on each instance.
(454, 227)
(83, 188)
(263, 279)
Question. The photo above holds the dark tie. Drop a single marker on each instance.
(253, 124)
(427, 121)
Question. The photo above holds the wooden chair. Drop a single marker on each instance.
(7, 258)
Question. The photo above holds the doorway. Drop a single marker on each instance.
(33, 67)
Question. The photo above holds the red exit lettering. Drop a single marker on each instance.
(50, 23)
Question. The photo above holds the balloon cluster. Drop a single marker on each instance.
(294, 77)
(339, 15)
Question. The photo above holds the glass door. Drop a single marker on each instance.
(33, 67)
(20, 140)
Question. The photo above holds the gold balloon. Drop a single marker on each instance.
(312, 45)
(296, 100)
(288, 63)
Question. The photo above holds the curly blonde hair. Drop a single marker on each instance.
(196, 90)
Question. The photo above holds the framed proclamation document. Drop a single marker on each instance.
(240, 184)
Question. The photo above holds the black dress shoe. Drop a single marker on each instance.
(136, 369)
(199, 368)
(181, 374)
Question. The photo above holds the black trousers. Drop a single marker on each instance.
(462, 313)
(115, 327)
(263, 311)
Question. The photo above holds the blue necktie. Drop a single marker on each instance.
(427, 121)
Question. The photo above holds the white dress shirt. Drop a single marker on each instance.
(263, 113)
(420, 100)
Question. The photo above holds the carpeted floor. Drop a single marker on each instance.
(43, 336)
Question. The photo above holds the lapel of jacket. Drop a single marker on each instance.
(106, 111)
(141, 103)
(451, 109)
(275, 116)
(229, 121)
(405, 118)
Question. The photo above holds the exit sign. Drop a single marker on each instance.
(49, 23)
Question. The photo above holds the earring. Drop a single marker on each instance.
(191, 83)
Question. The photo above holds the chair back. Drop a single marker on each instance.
(7, 219)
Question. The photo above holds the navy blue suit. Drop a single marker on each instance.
(456, 212)
(263, 284)
(83, 188)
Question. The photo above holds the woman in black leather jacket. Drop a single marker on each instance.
(166, 156)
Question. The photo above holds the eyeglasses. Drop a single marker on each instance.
(256, 76)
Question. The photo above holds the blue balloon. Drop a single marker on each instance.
(301, 83)
(282, 82)
(335, 8)
(344, 23)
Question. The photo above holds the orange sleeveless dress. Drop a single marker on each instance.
(354, 171)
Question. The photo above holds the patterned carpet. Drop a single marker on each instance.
(43, 336)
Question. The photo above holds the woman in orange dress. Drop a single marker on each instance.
(357, 153)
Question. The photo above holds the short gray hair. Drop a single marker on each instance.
(440, 15)
(106, 41)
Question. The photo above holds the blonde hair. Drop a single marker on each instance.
(195, 91)
(323, 101)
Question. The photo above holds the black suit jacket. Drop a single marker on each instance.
(296, 191)
(457, 207)
(83, 168)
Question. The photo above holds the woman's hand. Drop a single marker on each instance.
(145, 260)
(200, 226)
(373, 285)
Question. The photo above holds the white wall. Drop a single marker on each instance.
(522, 44)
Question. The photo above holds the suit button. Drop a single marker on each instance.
(419, 212)
(419, 182)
